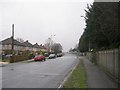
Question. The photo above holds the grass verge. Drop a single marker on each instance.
(28, 61)
(78, 78)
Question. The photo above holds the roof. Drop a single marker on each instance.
(42, 47)
(9, 41)
(36, 46)
(27, 44)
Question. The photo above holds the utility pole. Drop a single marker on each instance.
(12, 49)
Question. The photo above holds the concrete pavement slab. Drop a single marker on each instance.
(96, 78)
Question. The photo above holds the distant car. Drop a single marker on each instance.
(52, 56)
(59, 54)
(39, 58)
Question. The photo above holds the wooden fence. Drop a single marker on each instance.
(16, 58)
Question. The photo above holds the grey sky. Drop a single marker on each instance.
(36, 21)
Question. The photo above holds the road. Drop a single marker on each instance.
(48, 74)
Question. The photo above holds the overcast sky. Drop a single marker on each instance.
(37, 20)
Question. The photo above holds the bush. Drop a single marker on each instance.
(31, 56)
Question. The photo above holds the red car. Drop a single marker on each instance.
(39, 58)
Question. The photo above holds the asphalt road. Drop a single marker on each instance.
(48, 74)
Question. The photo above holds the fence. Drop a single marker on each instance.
(108, 60)
(16, 58)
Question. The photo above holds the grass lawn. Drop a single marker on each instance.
(78, 78)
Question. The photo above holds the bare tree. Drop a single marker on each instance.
(57, 48)
(49, 43)
(20, 40)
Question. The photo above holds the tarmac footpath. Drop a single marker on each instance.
(96, 78)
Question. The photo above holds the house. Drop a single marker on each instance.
(42, 48)
(25, 46)
(36, 47)
(28, 45)
(7, 44)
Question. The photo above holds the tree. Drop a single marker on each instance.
(101, 30)
(49, 43)
(20, 40)
(57, 48)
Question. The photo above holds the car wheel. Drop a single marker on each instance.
(43, 59)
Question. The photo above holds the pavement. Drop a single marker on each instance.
(96, 78)
(3, 63)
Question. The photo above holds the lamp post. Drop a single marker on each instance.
(50, 42)
(89, 46)
(84, 17)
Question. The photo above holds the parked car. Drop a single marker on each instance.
(52, 56)
(39, 58)
(8, 55)
(59, 54)
(46, 54)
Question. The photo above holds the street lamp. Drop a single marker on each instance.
(51, 39)
(84, 17)
(50, 42)
(89, 46)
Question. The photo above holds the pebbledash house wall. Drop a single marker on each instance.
(16, 47)
(21, 48)
(108, 61)
(36, 49)
(28, 48)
